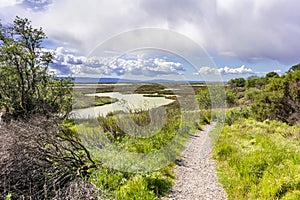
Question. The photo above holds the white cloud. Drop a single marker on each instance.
(225, 70)
(239, 70)
(278, 71)
(66, 62)
(207, 70)
(7, 3)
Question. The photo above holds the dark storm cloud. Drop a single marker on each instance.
(249, 29)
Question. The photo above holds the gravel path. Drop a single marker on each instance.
(195, 174)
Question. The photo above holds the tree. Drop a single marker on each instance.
(295, 68)
(203, 97)
(26, 87)
(230, 99)
(280, 100)
(237, 82)
(41, 155)
(257, 82)
(272, 75)
(212, 96)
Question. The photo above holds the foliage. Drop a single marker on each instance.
(145, 185)
(256, 82)
(203, 97)
(237, 82)
(230, 99)
(25, 85)
(259, 160)
(295, 68)
(250, 95)
(82, 101)
(272, 75)
(234, 114)
(212, 96)
(122, 185)
(280, 100)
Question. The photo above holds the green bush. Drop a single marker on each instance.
(280, 100)
(235, 114)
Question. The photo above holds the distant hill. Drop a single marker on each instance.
(100, 80)
(120, 80)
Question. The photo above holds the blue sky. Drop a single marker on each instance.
(235, 38)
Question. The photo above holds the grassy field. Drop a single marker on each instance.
(259, 160)
(142, 184)
(142, 88)
(82, 101)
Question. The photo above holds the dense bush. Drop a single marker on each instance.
(256, 82)
(237, 82)
(280, 100)
(213, 96)
(40, 158)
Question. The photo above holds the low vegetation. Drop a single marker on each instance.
(259, 160)
(141, 183)
(82, 101)
(257, 153)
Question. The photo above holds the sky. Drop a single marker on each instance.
(165, 39)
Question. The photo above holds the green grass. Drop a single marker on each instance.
(116, 183)
(82, 101)
(259, 160)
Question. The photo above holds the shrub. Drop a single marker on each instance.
(39, 157)
(280, 100)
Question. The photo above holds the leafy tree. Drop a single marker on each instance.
(295, 68)
(250, 94)
(26, 87)
(237, 82)
(280, 100)
(41, 155)
(257, 82)
(230, 99)
(203, 97)
(211, 97)
(272, 75)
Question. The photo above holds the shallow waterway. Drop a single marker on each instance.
(125, 103)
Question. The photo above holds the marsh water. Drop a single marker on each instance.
(125, 103)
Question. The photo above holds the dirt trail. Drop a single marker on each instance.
(195, 172)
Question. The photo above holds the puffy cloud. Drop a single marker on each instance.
(207, 70)
(36, 5)
(225, 70)
(239, 70)
(65, 62)
(7, 3)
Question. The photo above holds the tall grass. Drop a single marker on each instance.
(259, 160)
(107, 134)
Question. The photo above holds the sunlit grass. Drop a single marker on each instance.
(259, 160)
(152, 155)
